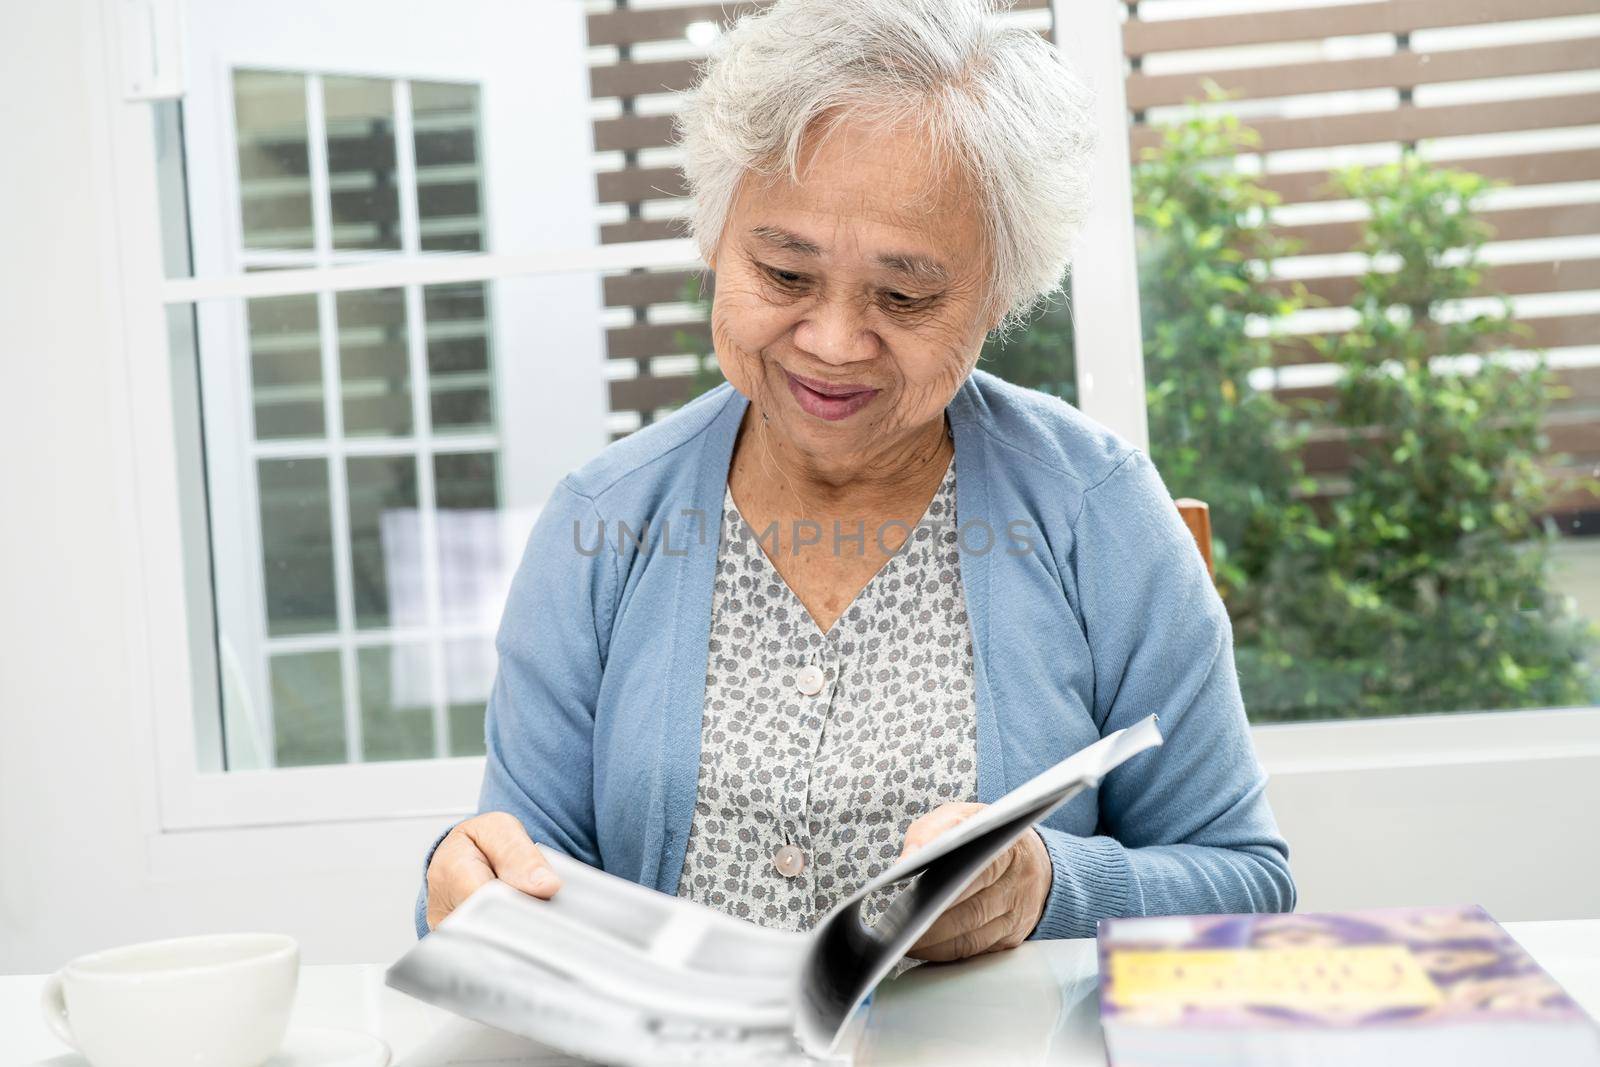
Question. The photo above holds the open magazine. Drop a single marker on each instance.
(612, 971)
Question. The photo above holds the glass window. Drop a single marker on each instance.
(397, 694)
(360, 576)
(271, 130)
(307, 709)
(445, 125)
(286, 366)
(361, 462)
(370, 433)
(400, 162)
(374, 362)
(363, 194)
(385, 539)
(297, 545)
(1371, 322)
(460, 378)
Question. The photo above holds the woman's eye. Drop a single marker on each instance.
(904, 301)
(786, 278)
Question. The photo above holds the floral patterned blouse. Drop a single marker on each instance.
(818, 750)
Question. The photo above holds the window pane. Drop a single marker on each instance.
(1371, 347)
(274, 161)
(466, 481)
(469, 668)
(396, 702)
(362, 186)
(471, 593)
(459, 383)
(374, 367)
(449, 175)
(385, 541)
(467, 489)
(296, 546)
(307, 709)
(285, 367)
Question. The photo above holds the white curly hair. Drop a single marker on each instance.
(996, 98)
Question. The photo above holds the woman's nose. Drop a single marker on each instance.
(836, 334)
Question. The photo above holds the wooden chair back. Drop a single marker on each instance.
(1196, 515)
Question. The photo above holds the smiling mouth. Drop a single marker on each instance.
(826, 401)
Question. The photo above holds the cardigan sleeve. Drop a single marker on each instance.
(538, 728)
(1184, 828)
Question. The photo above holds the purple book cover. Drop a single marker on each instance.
(1391, 967)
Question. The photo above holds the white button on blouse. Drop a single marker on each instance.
(809, 680)
(789, 860)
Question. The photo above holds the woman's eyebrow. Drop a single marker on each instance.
(919, 268)
(783, 239)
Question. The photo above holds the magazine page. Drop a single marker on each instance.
(519, 994)
(612, 971)
(846, 959)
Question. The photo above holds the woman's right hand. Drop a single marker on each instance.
(486, 847)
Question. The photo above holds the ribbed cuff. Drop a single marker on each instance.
(421, 916)
(1090, 880)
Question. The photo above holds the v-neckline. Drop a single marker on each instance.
(866, 587)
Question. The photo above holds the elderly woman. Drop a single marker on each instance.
(825, 611)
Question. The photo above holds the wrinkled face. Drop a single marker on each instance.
(851, 305)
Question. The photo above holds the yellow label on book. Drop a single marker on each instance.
(1356, 977)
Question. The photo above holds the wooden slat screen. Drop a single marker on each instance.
(1287, 69)
(1306, 90)
(1312, 22)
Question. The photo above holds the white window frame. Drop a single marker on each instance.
(192, 793)
(159, 622)
(232, 460)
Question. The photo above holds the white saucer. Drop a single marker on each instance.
(316, 1046)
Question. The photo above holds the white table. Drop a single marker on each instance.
(1034, 1005)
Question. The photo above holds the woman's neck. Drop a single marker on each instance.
(900, 472)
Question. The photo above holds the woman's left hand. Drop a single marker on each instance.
(1001, 906)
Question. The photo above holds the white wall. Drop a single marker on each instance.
(81, 865)
(1520, 841)
(1519, 835)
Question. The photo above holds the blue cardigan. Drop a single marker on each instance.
(593, 727)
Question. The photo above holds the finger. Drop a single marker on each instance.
(511, 853)
(989, 875)
(971, 914)
(455, 872)
(936, 822)
(970, 943)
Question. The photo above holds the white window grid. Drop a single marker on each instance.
(334, 448)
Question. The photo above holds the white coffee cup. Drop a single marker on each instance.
(214, 1001)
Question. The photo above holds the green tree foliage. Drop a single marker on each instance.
(1427, 589)
(1038, 354)
(1205, 250)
